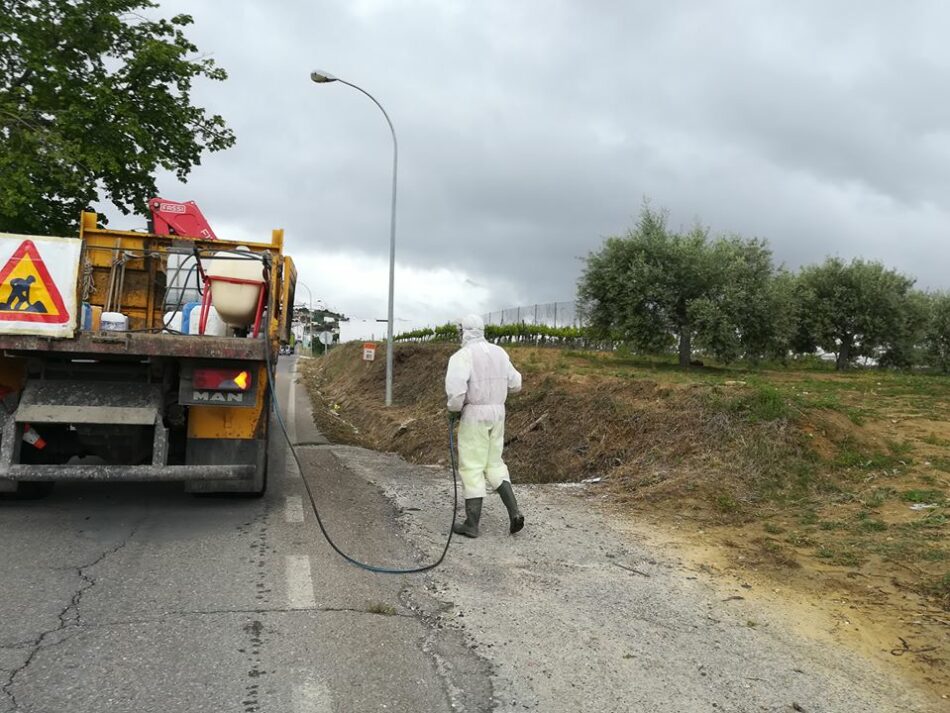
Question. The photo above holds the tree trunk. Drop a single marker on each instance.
(844, 355)
(686, 348)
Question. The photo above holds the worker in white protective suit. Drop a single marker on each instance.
(479, 378)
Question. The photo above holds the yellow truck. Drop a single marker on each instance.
(103, 375)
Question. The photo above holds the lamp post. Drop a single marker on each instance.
(309, 294)
(323, 78)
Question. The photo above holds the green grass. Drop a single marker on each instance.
(727, 504)
(878, 497)
(941, 463)
(932, 521)
(798, 539)
(906, 549)
(868, 526)
(841, 557)
(940, 587)
(922, 496)
(900, 448)
(381, 608)
(850, 457)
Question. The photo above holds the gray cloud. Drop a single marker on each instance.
(528, 131)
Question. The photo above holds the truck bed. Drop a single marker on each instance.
(139, 344)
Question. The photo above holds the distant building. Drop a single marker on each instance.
(307, 326)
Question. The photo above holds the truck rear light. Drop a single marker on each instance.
(222, 379)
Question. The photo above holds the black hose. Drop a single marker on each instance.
(272, 380)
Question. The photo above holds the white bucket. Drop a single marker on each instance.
(172, 322)
(114, 322)
(215, 326)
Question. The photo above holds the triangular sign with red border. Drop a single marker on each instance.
(27, 292)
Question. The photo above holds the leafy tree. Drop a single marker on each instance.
(94, 98)
(642, 286)
(901, 345)
(652, 286)
(937, 332)
(852, 309)
(749, 309)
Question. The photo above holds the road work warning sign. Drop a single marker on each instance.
(38, 281)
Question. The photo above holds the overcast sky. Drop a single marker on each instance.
(530, 130)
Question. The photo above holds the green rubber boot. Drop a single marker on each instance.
(515, 517)
(473, 512)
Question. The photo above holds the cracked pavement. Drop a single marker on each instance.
(70, 623)
(141, 598)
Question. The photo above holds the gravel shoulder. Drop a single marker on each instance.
(580, 613)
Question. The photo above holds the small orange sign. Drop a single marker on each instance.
(369, 351)
(27, 292)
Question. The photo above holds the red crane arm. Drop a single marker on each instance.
(177, 218)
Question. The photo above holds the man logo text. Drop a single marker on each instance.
(218, 398)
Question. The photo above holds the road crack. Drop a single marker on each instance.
(70, 620)
(164, 616)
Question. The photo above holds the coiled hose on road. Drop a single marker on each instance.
(272, 381)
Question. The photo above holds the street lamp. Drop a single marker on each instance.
(324, 78)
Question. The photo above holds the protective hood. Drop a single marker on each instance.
(473, 329)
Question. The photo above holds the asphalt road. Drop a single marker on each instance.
(141, 598)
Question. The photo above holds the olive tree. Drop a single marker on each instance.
(657, 289)
(852, 309)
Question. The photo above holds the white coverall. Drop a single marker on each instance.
(479, 378)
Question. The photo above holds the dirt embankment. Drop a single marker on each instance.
(655, 439)
(789, 477)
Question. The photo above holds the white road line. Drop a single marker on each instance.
(312, 696)
(293, 509)
(299, 582)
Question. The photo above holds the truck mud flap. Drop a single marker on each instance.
(248, 455)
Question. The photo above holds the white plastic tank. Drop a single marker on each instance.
(236, 303)
(182, 280)
(215, 327)
(172, 321)
(114, 322)
(186, 312)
